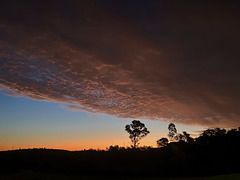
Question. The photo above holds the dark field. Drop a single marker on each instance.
(175, 161)
(38, 176)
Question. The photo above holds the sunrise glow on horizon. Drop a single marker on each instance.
(27, 123)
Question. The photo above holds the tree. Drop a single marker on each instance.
(179, 137)
(137, 131)
(184, 137)
(208, 136)
(214, 132)
(162, 142)
(174, 136)
(114, 148)
(187, 137)
(172, 130)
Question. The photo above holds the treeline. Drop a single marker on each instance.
(137, 131)
(209, 136)
(215, 151)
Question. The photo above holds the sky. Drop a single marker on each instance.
(74, 73)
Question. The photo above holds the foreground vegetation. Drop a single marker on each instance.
(214, 152)
(38, 176)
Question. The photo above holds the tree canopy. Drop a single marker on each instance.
(172, 130)
(162, 142)
(137, 131)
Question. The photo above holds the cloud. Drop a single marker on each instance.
(161, 61)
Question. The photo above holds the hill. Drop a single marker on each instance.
(175, 160)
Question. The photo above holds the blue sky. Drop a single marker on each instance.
(28, 123)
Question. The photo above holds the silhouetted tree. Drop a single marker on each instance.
(113, 148)
(214, 132)
(232, 132)
(145, 148)
(162, 142)
(137, 131)
(208, 136)
(233, 135)
(184, 137)
(187, 137)
(172, 130)
(179, 137)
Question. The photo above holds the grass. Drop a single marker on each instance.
(28, 175)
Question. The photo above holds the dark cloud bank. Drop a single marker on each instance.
(171, 60)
